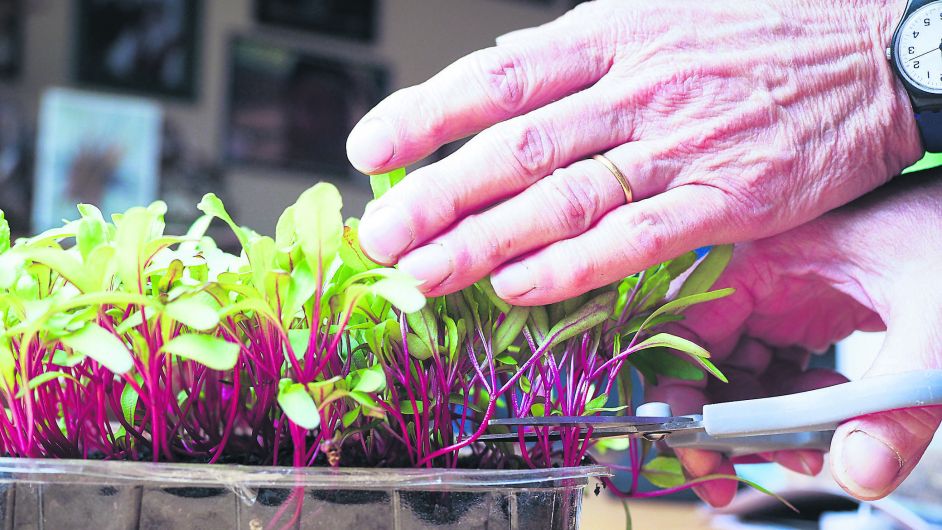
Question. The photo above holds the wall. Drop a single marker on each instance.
(416, 39)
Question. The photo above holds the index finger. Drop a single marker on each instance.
(477, 91)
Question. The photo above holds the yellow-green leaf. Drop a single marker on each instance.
(298, 405)
(212, 352)
(101, 345)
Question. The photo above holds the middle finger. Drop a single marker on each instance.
(497, 164)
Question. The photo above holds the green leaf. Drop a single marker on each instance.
(363, 399)
(658, 361)
(41, 379)
(679, 304)
(451, 336)
(299, 339)
(424, 324)
(680, 264)
(63, 262)
(538, 409)
(129, 398)
(301, 287)
(597, 404)
(697, 353)
(350, 252)
(707, 272)
(212, 205)
(508, 330)
(418, 348)
(136, 227)
(539, 323)
(400, 289)
(710, 367)
(506, 359)
(405, 407)
(489, 292)
(755, 486)
(380, 335)
(350, 416)
(371, 379)
(298, 404)
(524, 383)
(666, 340)
(7, 363)
(61, 358)
(197, 312)
(212, 352)
(664, 472)
(593, 313)
(99, 344)
(383, 182)
(319, 224)
(4, 233)
(604, 445)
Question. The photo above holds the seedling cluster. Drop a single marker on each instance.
(121, 342)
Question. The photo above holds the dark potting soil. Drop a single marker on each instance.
(440, 507)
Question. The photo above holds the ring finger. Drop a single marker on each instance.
(558, 207)
(498, 163)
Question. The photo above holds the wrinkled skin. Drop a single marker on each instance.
(869, 266)
(732, 121)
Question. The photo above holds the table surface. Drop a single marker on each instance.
(605, 512)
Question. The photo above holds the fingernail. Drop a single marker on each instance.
(870, 466)
(371, 145)
(431, 265)
(513, 281)
(384, 234)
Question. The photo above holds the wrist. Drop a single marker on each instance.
(902, 141)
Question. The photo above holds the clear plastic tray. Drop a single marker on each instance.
(54, 494)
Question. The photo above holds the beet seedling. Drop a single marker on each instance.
(122, 342)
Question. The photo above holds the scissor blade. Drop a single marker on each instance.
(555, 427)
(553, 435)
(590, 421)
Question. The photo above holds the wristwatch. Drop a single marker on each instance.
(916, 57)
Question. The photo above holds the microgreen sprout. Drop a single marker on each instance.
(122, 342)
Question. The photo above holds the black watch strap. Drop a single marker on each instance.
(930, 128)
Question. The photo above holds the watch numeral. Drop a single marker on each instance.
(915, 34)
(916, 64)
(927, 22)
(912, 50)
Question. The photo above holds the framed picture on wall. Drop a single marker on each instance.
(294, 109)
(11, 38)
(351, 19)
(97, 149)
(145, 46)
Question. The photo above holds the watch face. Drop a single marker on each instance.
(919, 48)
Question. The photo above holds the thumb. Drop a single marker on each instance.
(872, 455)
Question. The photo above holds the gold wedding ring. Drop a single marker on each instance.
(618, 176)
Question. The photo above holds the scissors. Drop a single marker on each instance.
(805, 420)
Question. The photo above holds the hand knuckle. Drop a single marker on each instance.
(531, 148)
(574, 201)
(503, 78)
(650, 238)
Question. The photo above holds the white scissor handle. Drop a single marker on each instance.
(825, 408)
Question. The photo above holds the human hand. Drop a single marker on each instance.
(731, 120)
(869, 266)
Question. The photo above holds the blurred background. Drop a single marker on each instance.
(121, 102)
